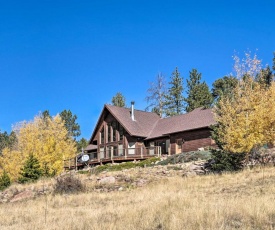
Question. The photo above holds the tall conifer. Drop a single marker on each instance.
(198, 94)
(174, 100)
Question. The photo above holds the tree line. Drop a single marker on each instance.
(168, 99)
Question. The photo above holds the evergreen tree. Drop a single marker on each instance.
(4, 181)
(198, 94)
(227, 161)
(156, 95)
(31, 170)
(223, 87)
(118, 100)
(7, 140)
(46, 114)
(82, 143)
(265, 77)
(174, 99)
(71, 125)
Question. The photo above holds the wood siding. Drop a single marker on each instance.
(192, 140)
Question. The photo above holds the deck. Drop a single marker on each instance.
(112, 156)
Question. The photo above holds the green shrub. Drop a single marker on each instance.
(31, 170)
(226, 161)
(68, 184)
(186, 157)
(4, 181)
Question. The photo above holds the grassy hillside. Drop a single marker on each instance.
(245, 200)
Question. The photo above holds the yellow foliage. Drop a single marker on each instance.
(46, 139)
(247, 118)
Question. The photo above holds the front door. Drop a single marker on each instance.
(162, 145)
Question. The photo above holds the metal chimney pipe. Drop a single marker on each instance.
(132, 110)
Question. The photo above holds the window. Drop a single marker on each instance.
(109, 151)
(115, 151)
(102, 136)
(179, 143)
(121, 131)
(102, 153)
(131, 148)
(114, 127)
(120, 150)
(109, 132)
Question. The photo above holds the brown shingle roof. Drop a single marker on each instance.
(196, 119)
(143, 124)
(90, 147)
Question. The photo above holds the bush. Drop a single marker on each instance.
(186, 157)
(31, 170)
(226, 161)
(68, 184)
(4, 181)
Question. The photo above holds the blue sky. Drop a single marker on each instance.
(76, 55)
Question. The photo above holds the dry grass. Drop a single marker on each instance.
(244, 200)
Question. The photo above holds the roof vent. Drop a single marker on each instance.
(132, 111)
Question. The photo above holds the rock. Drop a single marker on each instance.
(141, 183)
(120, 189)
(200, 172)
(107, 180)
(195, 167)
(22, 196)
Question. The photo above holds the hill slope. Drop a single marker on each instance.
(243, 200)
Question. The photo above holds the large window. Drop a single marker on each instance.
(109, 135)
(109, 151)
(102, 136)
(115, 151)
(114, 128)
(121, 131)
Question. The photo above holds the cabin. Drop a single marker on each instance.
(123, 134)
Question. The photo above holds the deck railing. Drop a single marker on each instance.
(115, 154)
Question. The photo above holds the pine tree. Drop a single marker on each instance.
(174, 99)
(223, 87)
(198, 94)
(7, 141)
(118, 100)
(265, 77)
(4, 181)
(71, 125)
(82, 143)
(31, 170)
